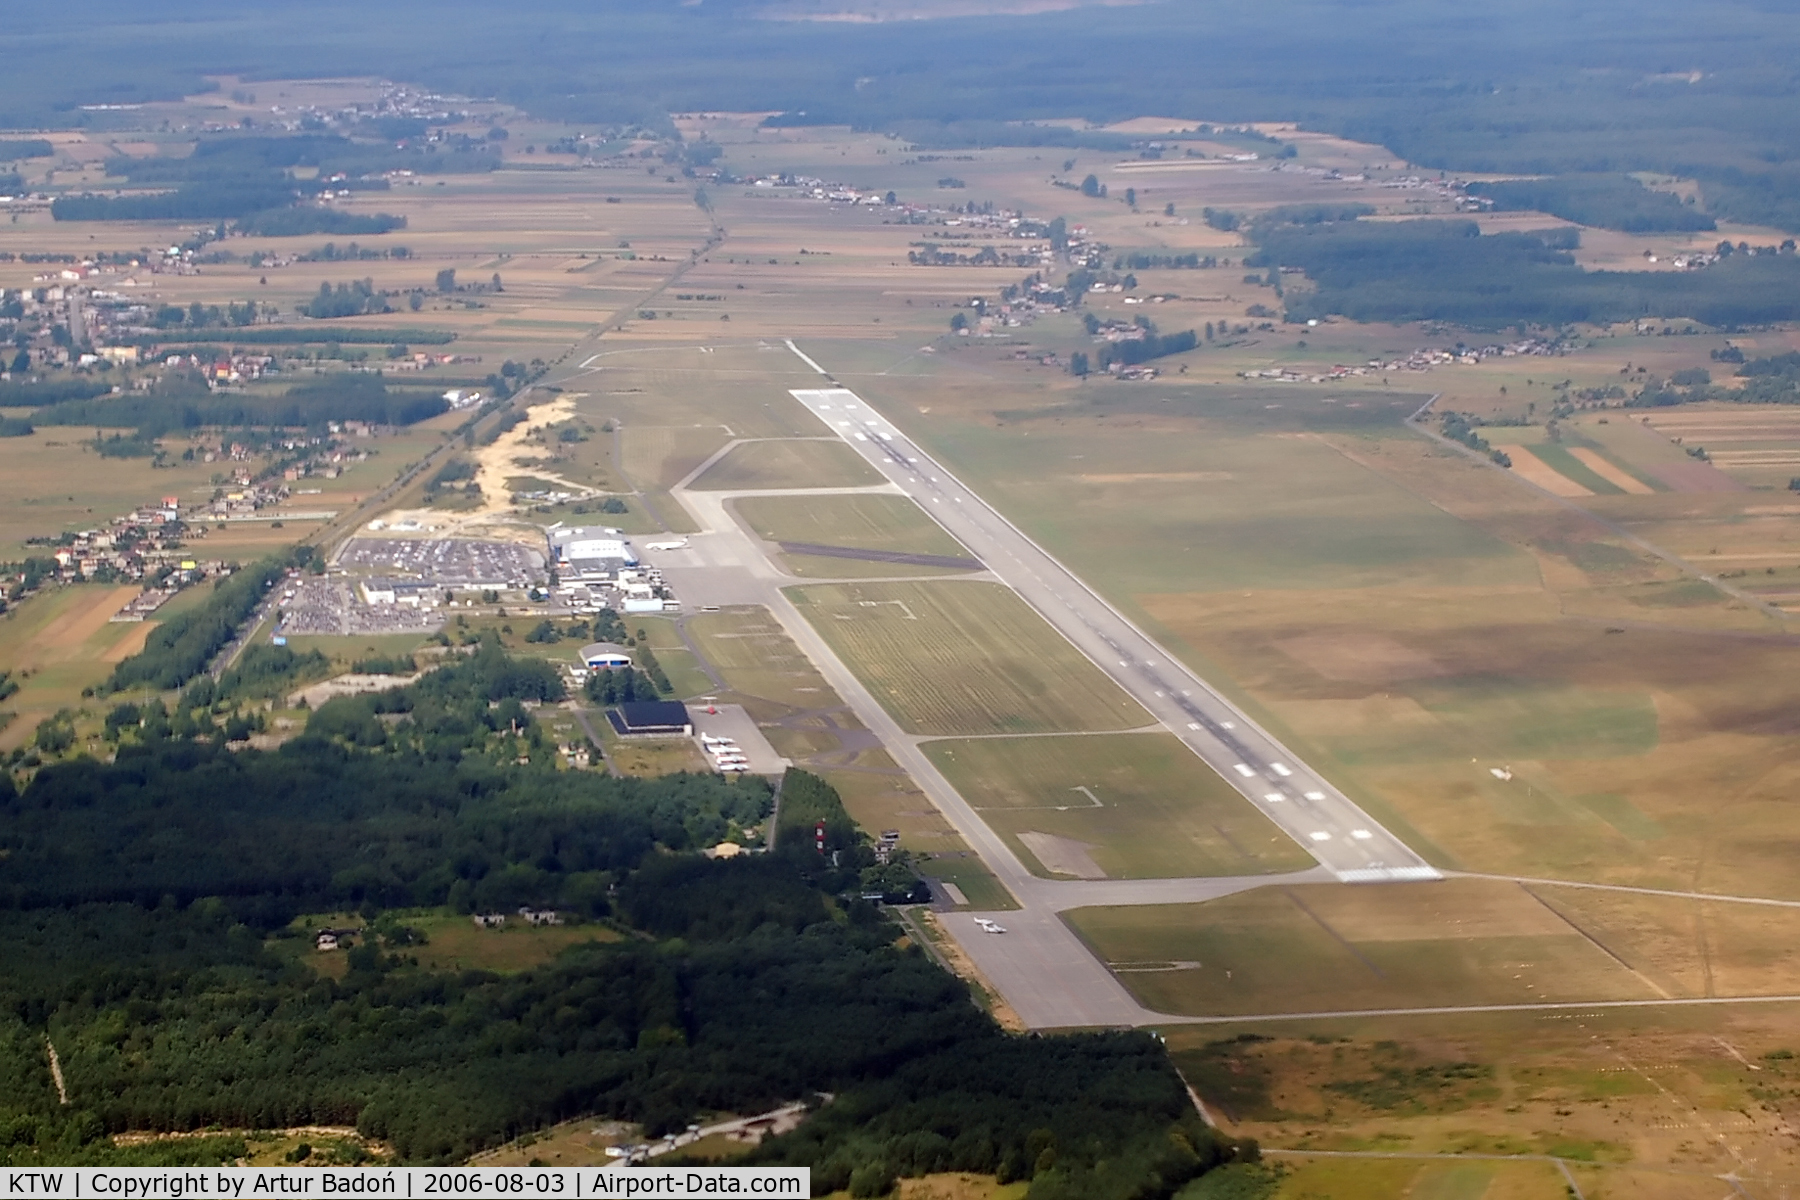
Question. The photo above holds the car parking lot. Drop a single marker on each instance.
(332, 606)
(455, 562)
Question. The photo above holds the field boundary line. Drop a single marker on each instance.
(1335, 936)
(1642, 978)
(1624, 887)
(1451, 1010)
(1612, 527)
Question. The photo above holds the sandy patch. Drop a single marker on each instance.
(1532, 469)
(1160, 477)
(1359, 657)
(83, 621)
(498, 462)
(1062, 856)
(349, 685)
(1594, 461)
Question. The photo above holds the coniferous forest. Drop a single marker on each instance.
(150, 933)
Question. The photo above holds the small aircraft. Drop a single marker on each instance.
(990, 926)
(665, 545)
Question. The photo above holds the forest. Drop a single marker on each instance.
(1601, 201)
(1526, 88)
(151, 908)
(246, 178)
(1447, 270)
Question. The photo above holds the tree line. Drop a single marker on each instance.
(181, 401)
(150, 933)
(1603, 201)
(1447, 270)
(182, 646)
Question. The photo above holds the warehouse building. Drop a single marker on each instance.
(590, 552)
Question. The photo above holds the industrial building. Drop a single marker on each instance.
(605, 656)
(651, 718)
(590, 552)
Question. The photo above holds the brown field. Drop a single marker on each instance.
(1529, 466)
(56, 644)
(1613, 474)
(1653, 1103)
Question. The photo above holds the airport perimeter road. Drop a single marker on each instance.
(1343, 838)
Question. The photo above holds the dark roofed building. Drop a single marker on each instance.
(647, 718)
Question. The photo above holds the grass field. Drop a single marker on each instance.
(454, 943)
(58, 643)
(857, 522)
(1641, 1102)
(1321, 949)
(1151, 809)
(1310, 948)
(53, 480)
(1408, 620)
(757, 659)
(768, 465)
(651, 756)
(1381, 1180)
(959, 658)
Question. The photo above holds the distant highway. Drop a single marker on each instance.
(1339, 834)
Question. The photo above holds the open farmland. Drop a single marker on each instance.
(55, 645)
(959, 658)
(895, 529)
(1127, 805)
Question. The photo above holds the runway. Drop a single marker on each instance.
(1339, 834)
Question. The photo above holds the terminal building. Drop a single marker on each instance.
(590, 553)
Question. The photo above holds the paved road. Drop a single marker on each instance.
(1344, 839)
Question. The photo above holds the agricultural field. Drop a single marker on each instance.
(959, 658)
(887, 526)
(53, 481)
(1312, 948)
(771, 465)
(1121, 806)
(55, 645)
